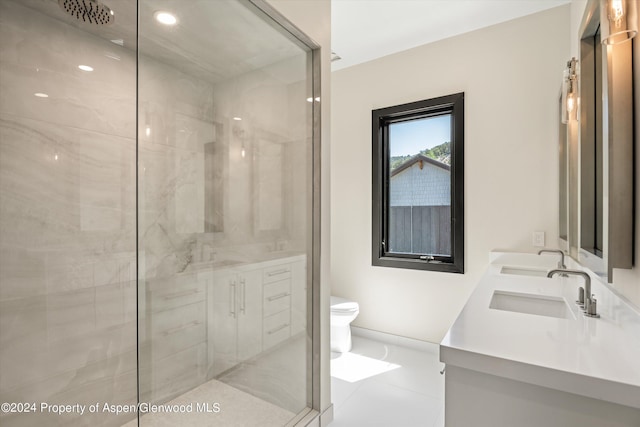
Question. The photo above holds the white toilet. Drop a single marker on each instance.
(343, 312)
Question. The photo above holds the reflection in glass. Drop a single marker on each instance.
(140, 262)
(224, 214)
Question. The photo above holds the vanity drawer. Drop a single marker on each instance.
(176, 329)
(276, 273)
(277, 297)
(173, 292)
(276, 329)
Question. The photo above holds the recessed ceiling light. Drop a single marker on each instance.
(85, 67)
(165, 18)
(237, 118)
(41, 95)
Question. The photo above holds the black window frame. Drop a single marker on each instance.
(380, 120)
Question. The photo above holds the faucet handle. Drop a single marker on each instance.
(592, 310)
(580, 300)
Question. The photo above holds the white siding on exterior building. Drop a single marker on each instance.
(429, 186)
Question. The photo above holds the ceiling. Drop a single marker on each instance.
(363, 30)
(214, 40)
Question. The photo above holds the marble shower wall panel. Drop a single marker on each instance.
(41, 54)
(176, 121)
(272, 103)
(68, 208)
(67, 218)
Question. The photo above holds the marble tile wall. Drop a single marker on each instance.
(67, 219)
(68, 297)
(272, 103)
(176, 121)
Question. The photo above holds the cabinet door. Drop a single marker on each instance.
(298, 296)
(223, 318)
(249, 314)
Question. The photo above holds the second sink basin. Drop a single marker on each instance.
(541, 305)
(521, 271)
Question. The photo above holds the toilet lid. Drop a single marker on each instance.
(341, 305)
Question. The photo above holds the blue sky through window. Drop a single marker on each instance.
(413, 136)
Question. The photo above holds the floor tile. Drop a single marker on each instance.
(409, 395)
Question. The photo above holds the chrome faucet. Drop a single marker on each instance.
(555, 251)
(585, 299)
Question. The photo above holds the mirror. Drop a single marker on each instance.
(600, 148)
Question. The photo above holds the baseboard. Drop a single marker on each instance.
(396, 340)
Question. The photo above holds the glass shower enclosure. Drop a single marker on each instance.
(158, 214)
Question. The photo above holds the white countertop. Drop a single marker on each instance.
(248, 263)
(598, 358)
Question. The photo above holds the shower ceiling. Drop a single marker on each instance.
(202, 29)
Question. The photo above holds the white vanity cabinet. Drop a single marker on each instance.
(252, 308)
(277, 304)
(285, 299)
(235, 317)
(249, 314)
(177, 323)
(520, 364)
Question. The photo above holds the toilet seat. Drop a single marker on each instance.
(343, 306)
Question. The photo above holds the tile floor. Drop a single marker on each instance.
(379, 384)
(233, 405)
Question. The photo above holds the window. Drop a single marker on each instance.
(418, 185)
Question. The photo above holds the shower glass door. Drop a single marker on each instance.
(225, 107)
(156, 214)
(67, 215)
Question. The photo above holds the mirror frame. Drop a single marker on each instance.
(618, 176)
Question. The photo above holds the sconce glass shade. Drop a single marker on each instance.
(618, 20)
(570, 92)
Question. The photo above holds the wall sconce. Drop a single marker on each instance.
(618, 20)
(570, 92)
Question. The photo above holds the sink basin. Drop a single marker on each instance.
(540, 305)
(523, 271)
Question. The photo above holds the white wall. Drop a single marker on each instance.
(313, 17)
(511, 75)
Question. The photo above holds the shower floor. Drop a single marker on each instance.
(237, 409)
(276, 380)
(277, 376)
